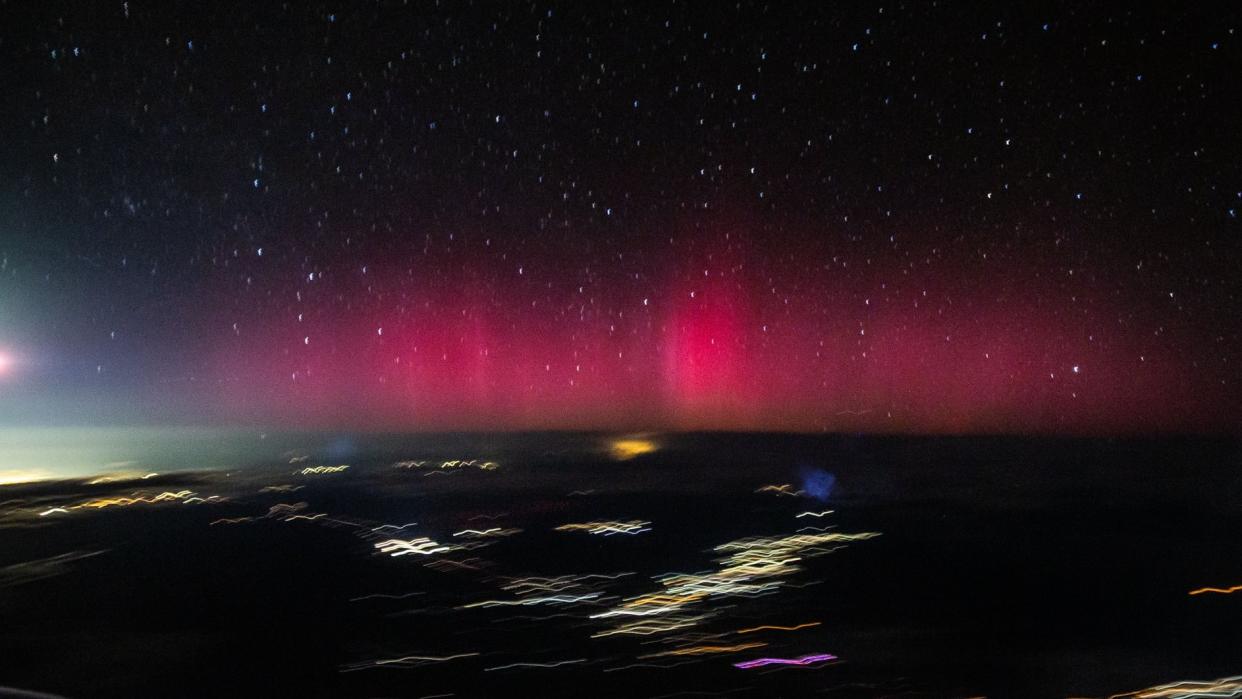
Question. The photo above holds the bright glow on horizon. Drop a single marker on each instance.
(630, 447)
(91, 452)
(18, 476)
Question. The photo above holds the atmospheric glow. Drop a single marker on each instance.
(16, 476)
(714, 339)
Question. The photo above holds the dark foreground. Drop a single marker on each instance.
(870, 567)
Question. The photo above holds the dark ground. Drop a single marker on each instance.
(1005, 567)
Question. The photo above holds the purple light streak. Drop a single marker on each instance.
(804, 660)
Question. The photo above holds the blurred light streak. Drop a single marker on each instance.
(1189, 689)
(558, 584)
(30, 571)
(650, 627)
(652, 605)
(100, 503)
(397, 527)
(654, 666)
(535, 617)
(408, 661)
(449, 464)
(121, 476)
(536, 665)
(185, 497)
(421, 546)
(194, 500)
(782, 489)
(444, 563)
(486, 533)
(554, 599)
(814, 514)
(280, 488)
(318, 470)
(706, 650)
(1216, 590)
(381, 595)
(282, 509)
(803, 660)
(635, 526)
(769, 627)
(752, 567)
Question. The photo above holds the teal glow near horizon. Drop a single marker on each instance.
(38, 453)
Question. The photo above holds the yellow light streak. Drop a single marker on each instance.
(1216, 590)
(769, 627)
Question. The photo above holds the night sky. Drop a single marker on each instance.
(886, 217)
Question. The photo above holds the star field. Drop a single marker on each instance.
(885, 218)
